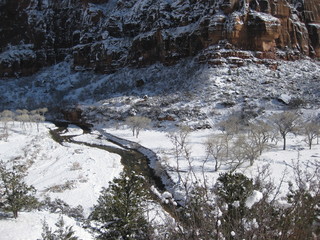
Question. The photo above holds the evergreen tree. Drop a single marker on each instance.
(61, 233)
(120, 209)
(15, 194)
(232, 190)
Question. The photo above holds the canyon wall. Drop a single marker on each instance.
(105, 35)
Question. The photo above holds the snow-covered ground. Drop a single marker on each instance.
(28, 226)
(199, 95)
(281, 163)
(89, 169)
(186, 91)
(53, 166)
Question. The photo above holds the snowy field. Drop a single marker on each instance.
(53, 165)
(28, 226)
(281, 163)
(198, 95)
(89, 169)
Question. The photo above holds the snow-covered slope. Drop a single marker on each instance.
(187, 90)
(52, 165)
(29, 226)
(73, 173)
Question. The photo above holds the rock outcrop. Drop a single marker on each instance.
(105, 35)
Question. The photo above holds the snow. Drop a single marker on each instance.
(254, 198)
(285, 98)
(17, 53)
(28, 226)
(316, 25)
(53, 164)
(72, 130)
(281, 163)
(192, 94)
(265, 17)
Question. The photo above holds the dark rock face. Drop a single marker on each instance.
(105, 35)
(34, 34)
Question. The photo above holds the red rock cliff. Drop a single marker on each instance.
(105, 35)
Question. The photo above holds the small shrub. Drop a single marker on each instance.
(68, 185)
(61, 233)
(75, 166)
(59, 206)
(296, 103)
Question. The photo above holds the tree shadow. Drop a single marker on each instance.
(4, 215)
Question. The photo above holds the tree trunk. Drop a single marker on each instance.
(216, 166)
(15, 213)
(284, 143)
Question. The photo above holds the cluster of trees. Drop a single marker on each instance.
(236, 207)
(244, 142)
(228, 210)
(21, 115)
(234, 212)
(240, 141)
(137, 123)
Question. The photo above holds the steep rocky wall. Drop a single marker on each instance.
(105, 35)
(44, 28)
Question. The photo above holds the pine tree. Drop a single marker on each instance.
(120, 209)
(15, 194)
(232, 190)
(61, 233)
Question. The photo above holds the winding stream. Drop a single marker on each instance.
(134, 157)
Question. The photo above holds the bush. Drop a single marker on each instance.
(232, 190)
(61, 233)
(59, 206)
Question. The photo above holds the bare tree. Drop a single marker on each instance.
(260, 133)
(285, 122)
(42, 111)
(7, 114)
(22, 111)
(230, 127)
(311, 129)
(216, 149)
(181, 149)
(5, 117)
(23, 119)
(37, 118)
(249, 147)
(243, 149)
(136, 123)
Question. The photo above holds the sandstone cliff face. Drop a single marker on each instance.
(105, 35)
